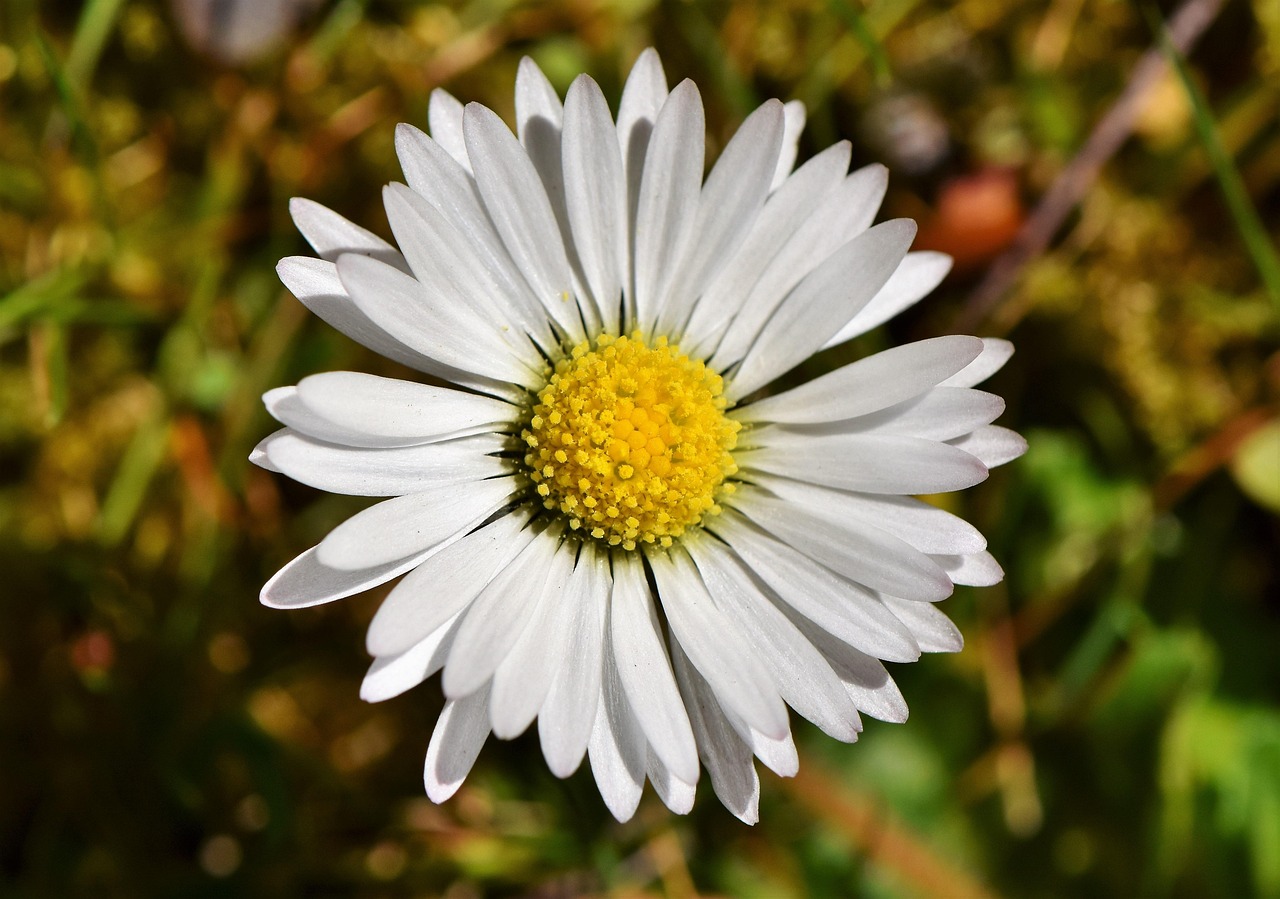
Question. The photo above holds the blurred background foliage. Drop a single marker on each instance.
(1111, 729)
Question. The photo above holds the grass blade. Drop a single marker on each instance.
(1256, 239)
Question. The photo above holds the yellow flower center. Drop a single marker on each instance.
(631, 441)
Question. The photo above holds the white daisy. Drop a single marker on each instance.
(608, 523)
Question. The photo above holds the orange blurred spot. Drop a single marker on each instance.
(977, 216)
(93, 652)
(195, 462)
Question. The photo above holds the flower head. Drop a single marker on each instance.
(607, 522)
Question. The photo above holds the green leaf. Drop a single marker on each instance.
(1256, 466)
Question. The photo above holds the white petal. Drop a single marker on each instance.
(716, 645)
(676, 794)
(539, 118)
(617, 748)
(866, 680)
(435, 174)
(857, 201)
(569, 713)
(539, 124)
(993, 445)
(455, 273)
(464, 226)
(315, 283)
(870, 384)
(645, 671)
(778, 755)
(445, 584)
(852, 613)
(871, 463)
(943, 413)
(918, 274)
(933, 630)
(535, 99)
(306, 581)
(783, 214)
(407, 525)
(444, 116)
(596, 196)
(331, 235)
(393, 471)
(848, 547)
(795, 114)
(731, 198)
(927, 528)
(448, 332)
(668, 205)
(498, 616)
(974, 570)
(257, 455)
(389, 409)
(524, 676)
(459, 735)
(286, 407)
(392, 675)
(804, 678)
(814, 310)
(642, 99)
(841, 214)
(727, 757)
(995, 353)
(517, 203)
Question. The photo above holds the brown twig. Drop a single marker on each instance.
(1207, 457)
(884, 841)
(1112, 130)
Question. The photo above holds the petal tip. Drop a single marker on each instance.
(438, 792)
(751, 817)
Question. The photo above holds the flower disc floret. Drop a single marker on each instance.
(630, 441)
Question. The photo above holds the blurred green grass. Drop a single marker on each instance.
(1113, 726)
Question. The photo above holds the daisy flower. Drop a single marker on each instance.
(608, 518)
